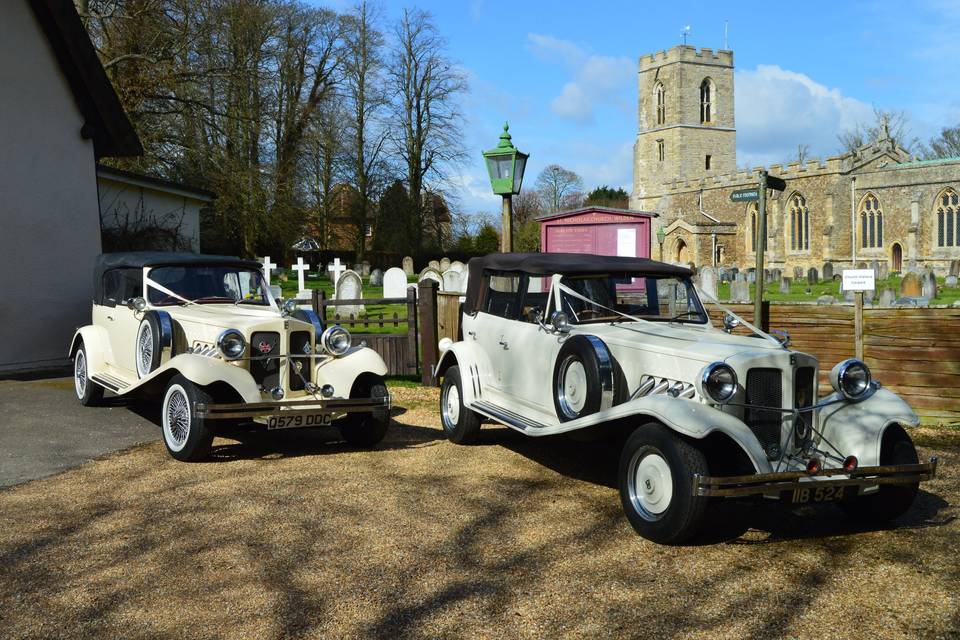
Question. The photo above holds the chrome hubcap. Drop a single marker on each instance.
(144, 349)
(650, 483)
(80, 374)
(572, 390)
(176, 418)
(451, 406)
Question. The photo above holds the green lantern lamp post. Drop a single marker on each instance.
(661, 236)
(505, 164)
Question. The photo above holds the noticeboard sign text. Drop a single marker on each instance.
(859, 280)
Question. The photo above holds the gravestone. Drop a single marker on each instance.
(751, 277)
(407, 266)
(451, 281)
(929, 286)
(708, 281)
(739, 289)
(828, 271)
(887, 296)
(797, 273)
(433, 264)
(301, 268)
(785, 285)
(733, 273)
(431, 274)
(954, 268)
(884, 271)
(376, 278)
(395, 283)
(849, 295)
(826, 299)
(776, 275)
(349, 287)
(950, 281)
(334, 270)
(268, 267)
(365, 269)
(911, 286)
(876, 268)
(812, 276)
(456, 265)
(723, 275)
(767, 276)
(444, 264)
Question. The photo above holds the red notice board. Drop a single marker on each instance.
(597, 230)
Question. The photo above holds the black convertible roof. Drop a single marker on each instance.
(545, 264)
(140, 259)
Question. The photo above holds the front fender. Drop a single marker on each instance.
(857, 428)
(204, 371)
(343, 371)
(98, 347)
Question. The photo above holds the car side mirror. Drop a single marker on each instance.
(560, 321)
(137, 304)
(730, 323)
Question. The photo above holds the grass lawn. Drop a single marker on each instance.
(799, 291)
(374, 311)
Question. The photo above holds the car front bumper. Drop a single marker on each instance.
(290, 407)
(774, 483)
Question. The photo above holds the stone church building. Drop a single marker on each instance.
(877, 203)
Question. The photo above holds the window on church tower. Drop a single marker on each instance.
(871, 222)
(799, 223)
(660, 153)
(661, 103)
(706, 163)
(948, 219)
(706, 101)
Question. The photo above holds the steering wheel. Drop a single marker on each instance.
(589, 314)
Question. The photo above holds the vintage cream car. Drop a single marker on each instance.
(203, 334)
(582, 344)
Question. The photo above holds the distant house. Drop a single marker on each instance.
(144, 213)
(59, 114)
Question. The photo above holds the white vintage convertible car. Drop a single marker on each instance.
(202, 334)
(583, 344)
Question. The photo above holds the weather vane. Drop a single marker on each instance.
(684, 32)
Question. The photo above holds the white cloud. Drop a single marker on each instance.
(597, 80)
(777, 110)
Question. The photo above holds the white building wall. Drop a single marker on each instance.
(49, 219)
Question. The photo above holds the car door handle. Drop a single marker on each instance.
(503, 343)
(110, 318)
(472, 334)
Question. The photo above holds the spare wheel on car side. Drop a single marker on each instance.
(154, 339)
(583, 378)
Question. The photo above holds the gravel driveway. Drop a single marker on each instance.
(297, 535)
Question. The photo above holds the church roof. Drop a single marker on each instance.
(106, 122)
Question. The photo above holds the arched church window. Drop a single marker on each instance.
(799, 223)
(871, 222)
(661, 97)
(706, 101)
(948, 219)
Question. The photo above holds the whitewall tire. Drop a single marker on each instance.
(88, 392)
(185, 434)
(460, 424)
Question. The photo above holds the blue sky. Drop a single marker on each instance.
(564, 74)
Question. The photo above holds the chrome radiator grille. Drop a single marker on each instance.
(804, 395)
(765, 389)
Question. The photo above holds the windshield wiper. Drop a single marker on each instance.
(684, 315)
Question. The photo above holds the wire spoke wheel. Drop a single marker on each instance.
(176, 418)
(145, 348)
(80, 373)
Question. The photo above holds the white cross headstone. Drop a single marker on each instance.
(335, 270)
(301, 268)
(268, 267)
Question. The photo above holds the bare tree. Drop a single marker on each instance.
(426, 121)
(945, 145)
(559, 188)
(526, 206)
(803, 150)
(366, 99)
(887, 124)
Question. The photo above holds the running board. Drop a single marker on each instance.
(109, 382)
(505, 416)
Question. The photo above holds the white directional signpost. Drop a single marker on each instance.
(858, 280)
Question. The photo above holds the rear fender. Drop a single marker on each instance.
(97, 343)
(342, 372)
(857, 428)
(474, 367)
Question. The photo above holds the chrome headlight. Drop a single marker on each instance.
(336, 340)
(851, 379)
(717, 382)
(231, 344)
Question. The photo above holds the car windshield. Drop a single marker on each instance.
(207, 284)
(603, 298)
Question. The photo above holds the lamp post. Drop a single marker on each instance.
(661, 236)
(505, 164)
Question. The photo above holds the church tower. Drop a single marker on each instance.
(686, 121)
